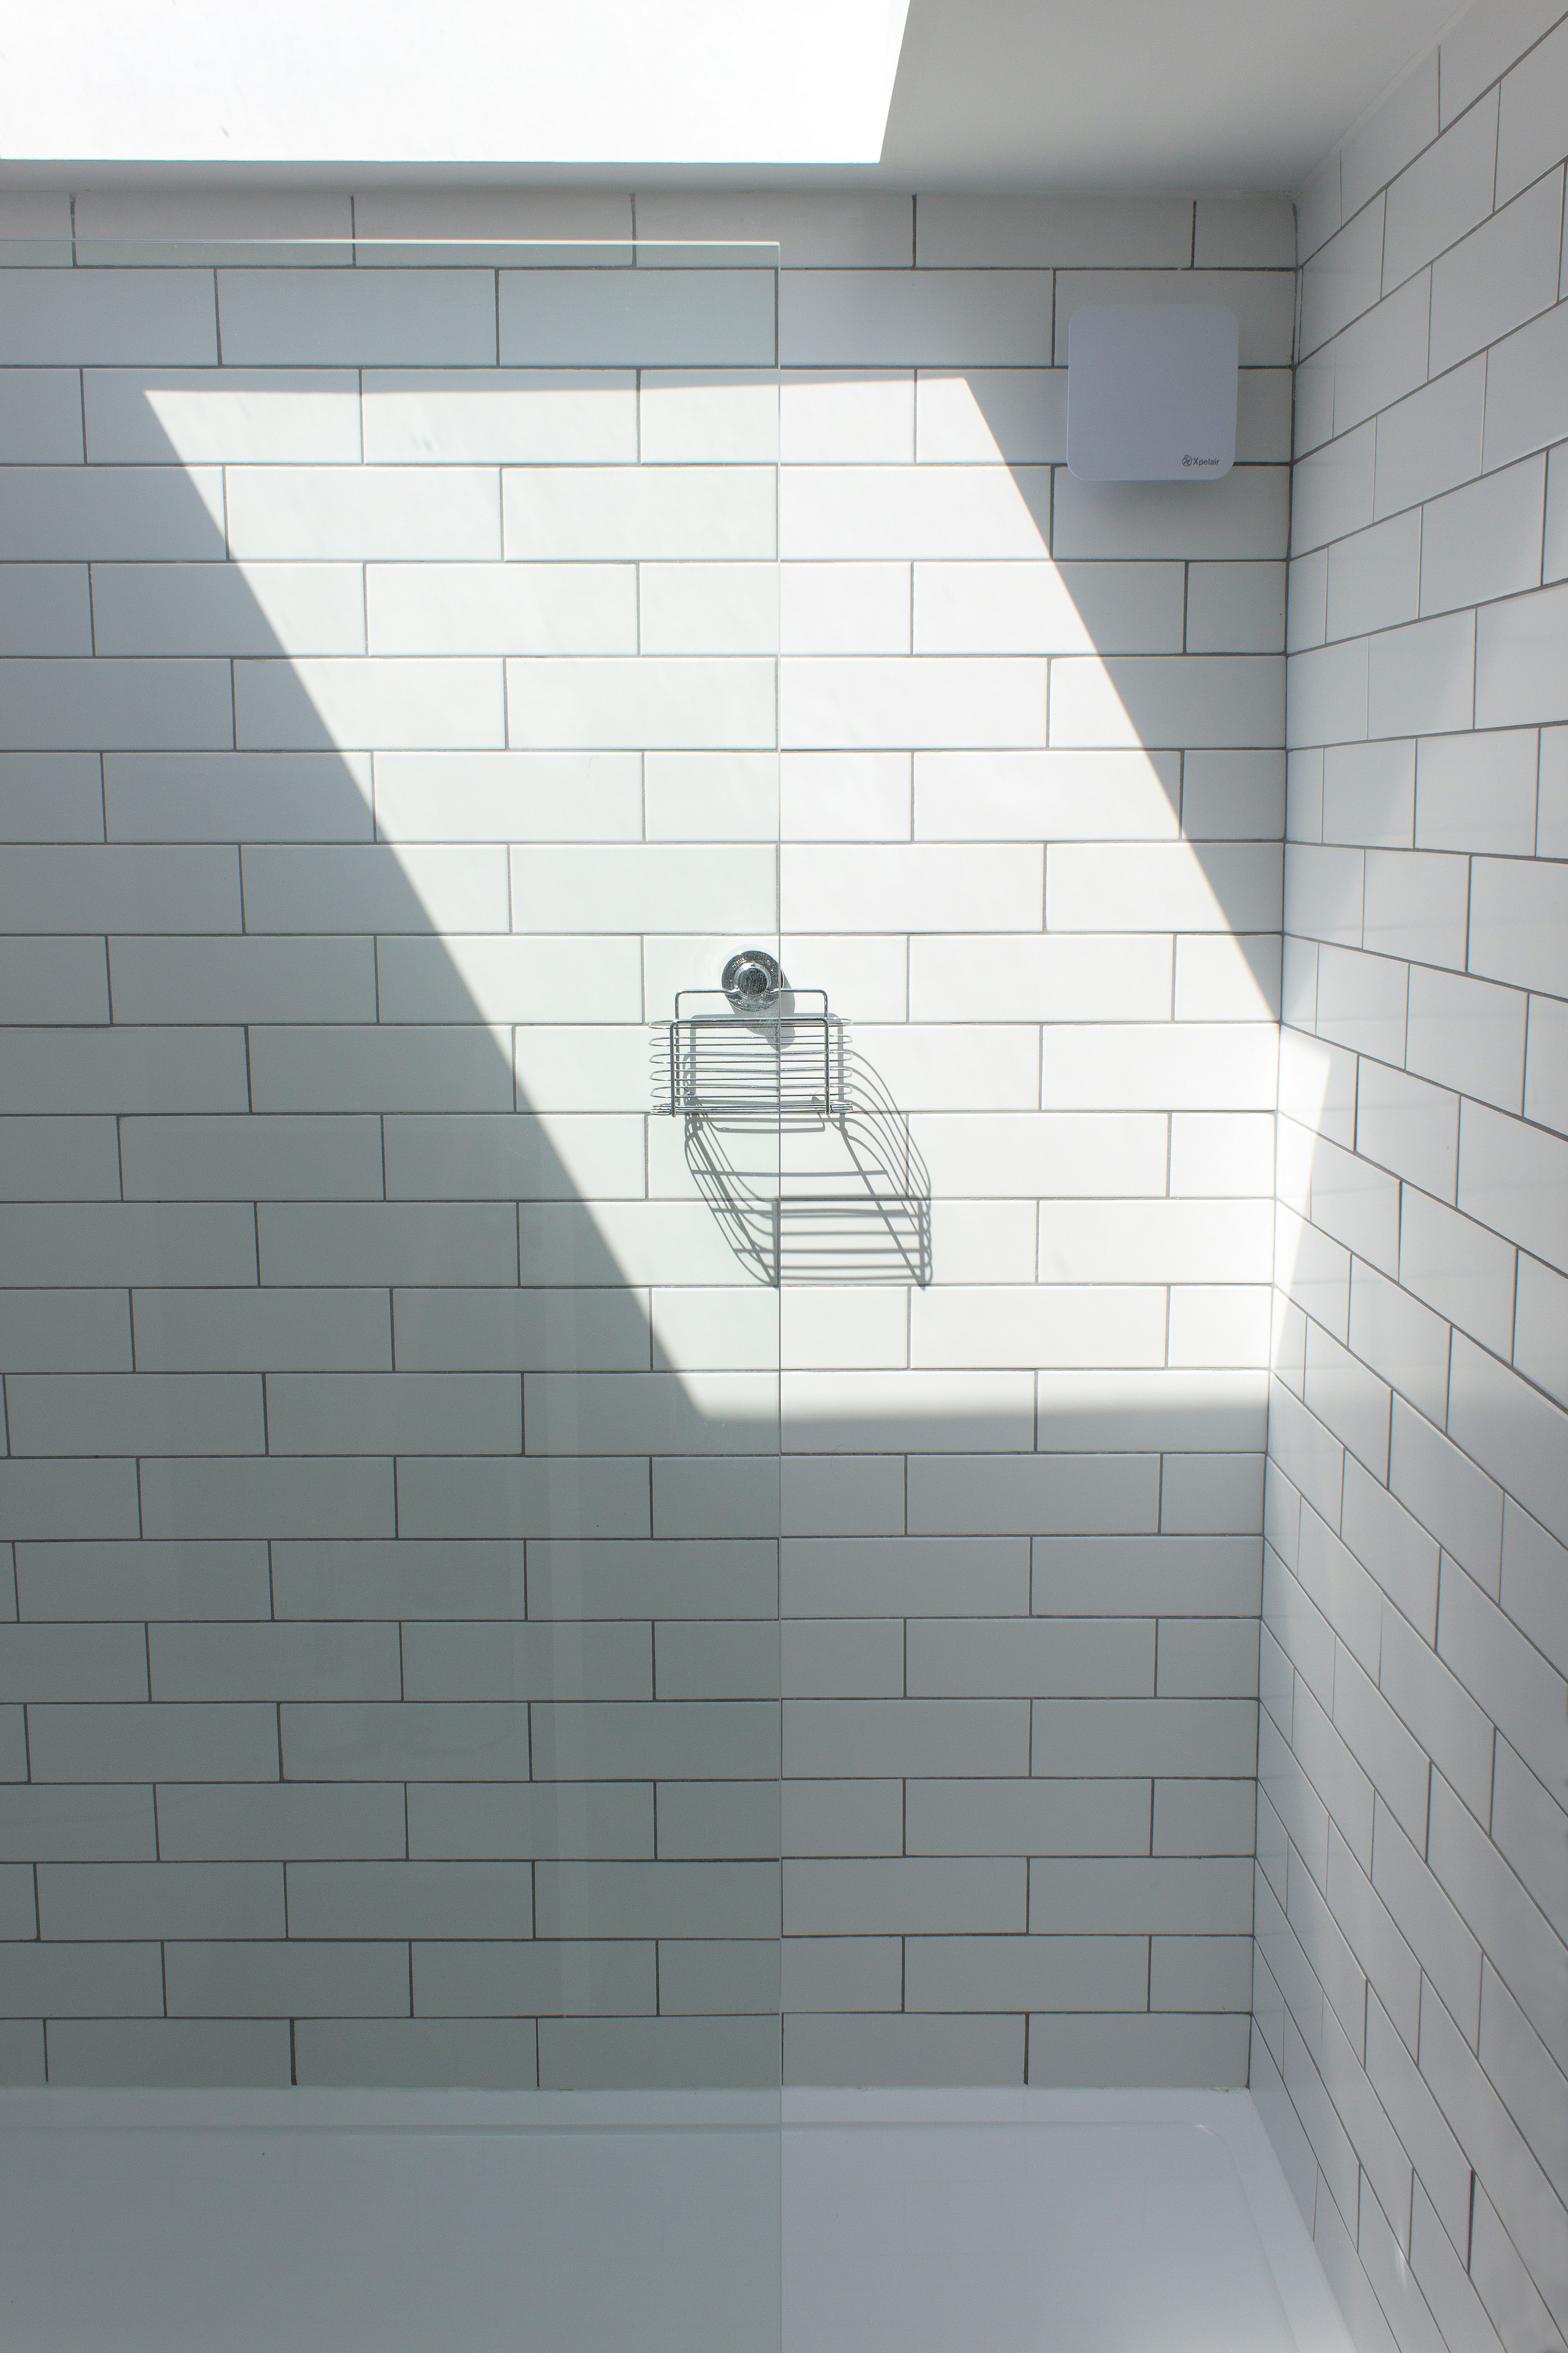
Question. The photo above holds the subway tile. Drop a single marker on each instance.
(238, 1495)
(44, 608)
(246, 1662)
(916, 1894)
(80, 1980)
(280, 1978)
(123, 1070)
(116, 1243)
(134, 1413)
(1474, 53)
(1477, 791)
(1491, 2139)
(1234, 699)
(228, 796)
(563, 318)
(65, 1332)
(668, 703)
(376, 1068)
(1510, 1428)
(1012, 1494)
(474, 1978)
(1382, 355)
(586, 1820)
(1484, 541)
(72, 1663)
(1169, 2050)
(1263, 301)
(1343, 278)
(108, 1741)
(1518, 659)
(847, 1817)
(993, 317)
(51, 797)
(672, 1739)
(1374, 577)
(438, 1495)
(1442, 196)
(214, 1821)
(713, 416)
(126, 704)
(1497, 277)
(707, 1820)
(54, 983)
(1526, 404)
(862, 418)
(90, 1901)
(249, 1156)
(1204, 1817)
(1431, 442)
(452, 797)
(1467, 1034)
(177, 980)
(315, 702)
(1080, 1658)
(659, 2053)
(393, 318)
(469, 219)
(167, 512)
(980, 1973)
(182, 2053)
(41, 415)
(845, 230)
(101, 1580)
(430, 2054)
(108, 318)
(833, 1739)
(1092, 795)
(978, 414)
(1073, 232)
(1165, 1737)
(1243, 516)
(1530, 1588)
(214, 1329)
(931, 513)
(842, 1974)
(923, 887)
(265, 416)
(1532, 95)
(401, 1241)
(1034, 1817)
(1127, 1893)
(241, 608)
(506, 417)
(1514, 1687)
(1398, 127)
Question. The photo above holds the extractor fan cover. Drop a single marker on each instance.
(1152, 392)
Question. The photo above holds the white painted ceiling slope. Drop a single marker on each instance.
(1212, 94)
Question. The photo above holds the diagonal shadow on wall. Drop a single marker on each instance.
(435, 1252)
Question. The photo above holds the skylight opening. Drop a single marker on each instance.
(472, 82)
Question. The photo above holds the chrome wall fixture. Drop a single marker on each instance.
(780, 1111)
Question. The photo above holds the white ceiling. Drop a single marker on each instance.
(1207, 94)
(1141, 93)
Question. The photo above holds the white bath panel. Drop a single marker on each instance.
(412, 2223)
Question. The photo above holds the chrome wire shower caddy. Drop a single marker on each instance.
(751, 1052)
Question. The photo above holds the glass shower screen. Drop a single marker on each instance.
(425, 740)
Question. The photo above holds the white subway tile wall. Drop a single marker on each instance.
(1410, 2049)
(394, 1450)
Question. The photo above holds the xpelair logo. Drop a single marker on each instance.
(1200, 462)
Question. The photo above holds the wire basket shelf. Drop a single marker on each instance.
(781, 1064)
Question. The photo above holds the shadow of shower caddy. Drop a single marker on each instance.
(756, 1058)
